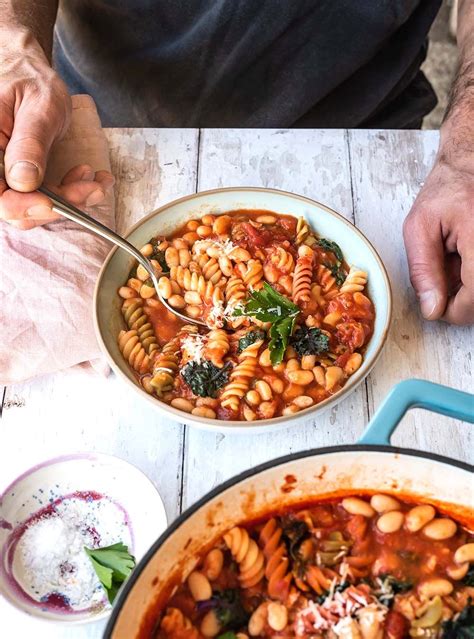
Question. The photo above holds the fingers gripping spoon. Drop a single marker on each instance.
(71, 212)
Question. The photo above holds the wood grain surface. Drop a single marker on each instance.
(372, 178)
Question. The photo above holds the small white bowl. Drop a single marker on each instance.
(356, 247)
(34, 490)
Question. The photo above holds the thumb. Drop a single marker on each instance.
(36, 126)
(425, 253)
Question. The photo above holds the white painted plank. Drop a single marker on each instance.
(152, 167)
(388, 169)
(312, 163)
(308, 162)
(74, 410)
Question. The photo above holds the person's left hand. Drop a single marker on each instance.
(81, 186)
(439, 241)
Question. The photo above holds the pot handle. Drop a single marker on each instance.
(416, 393)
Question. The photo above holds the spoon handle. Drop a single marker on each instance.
(66, 209)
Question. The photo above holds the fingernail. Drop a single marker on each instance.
(428, 303)
(95, 197)
(88, 175)
(24, 172)
(39, 211)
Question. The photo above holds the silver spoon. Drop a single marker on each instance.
(71, 212)
(64, 208)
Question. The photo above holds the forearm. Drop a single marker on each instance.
(457, 131)
(35, 19)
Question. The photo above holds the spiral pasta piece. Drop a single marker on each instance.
(277, 564)
(210, 268)
(283, 260)
(133, 351)
(241, 377)
(253, 276)
(174, 623)
(303, 274)
(247, 554)
(355, 281)
(302, 230)
(193, 281)
(165, 366)
(217, 347)
(137, 319)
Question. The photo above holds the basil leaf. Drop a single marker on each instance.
(112, 565)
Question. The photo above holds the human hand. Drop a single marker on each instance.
(34, 112)
(80, 186)
(439, 241)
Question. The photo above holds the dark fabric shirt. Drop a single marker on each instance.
(248, 63)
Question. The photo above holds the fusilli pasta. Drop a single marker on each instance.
(287, 320)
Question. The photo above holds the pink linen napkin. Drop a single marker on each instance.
(47, 274)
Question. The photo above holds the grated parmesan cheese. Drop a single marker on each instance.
(225, 246)
(192, 347)
(220, 314)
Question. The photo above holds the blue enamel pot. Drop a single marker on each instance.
(371, 465)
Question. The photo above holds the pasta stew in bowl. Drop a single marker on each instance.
(290, 320)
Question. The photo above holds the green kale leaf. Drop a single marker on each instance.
(462, 626)
(468, 579)
(329, 245)
(309, 341)
(337, 273)
(250, 338)
(229, 609)
(205, 379)
(159, 256)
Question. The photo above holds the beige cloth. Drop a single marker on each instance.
(47, 275)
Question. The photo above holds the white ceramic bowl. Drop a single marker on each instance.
(326, 222)
(118, 480)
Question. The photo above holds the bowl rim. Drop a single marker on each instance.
(260, 425)
(396, 451)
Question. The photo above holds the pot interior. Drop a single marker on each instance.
(277, 486)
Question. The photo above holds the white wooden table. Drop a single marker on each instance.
(371, 177)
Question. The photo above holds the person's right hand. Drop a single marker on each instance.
(34, 112)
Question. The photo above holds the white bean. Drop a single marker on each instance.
(384, 503)
(464, 554)
(439, 529)
(266, 219)
(177, 301)
(257, 620)
(390, 522)
(199, 586)
(204, 411)
(457, 572)
(213, 563)
(303, 401)
(418, 517)
(182, 404)
(264, 390)
(356, 506)
(277, 616)
(434, 587)
(210, 626)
